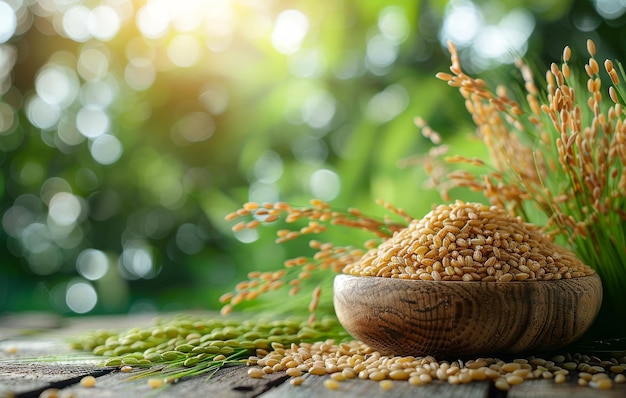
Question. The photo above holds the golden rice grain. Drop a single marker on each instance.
(294, 372)
(352, 359)
(567, 53)
(486, 236)
(613, 95)
(502, 385)
(88, 381)
(296, 381)
(601, 384)
(256, 373)
(617, 368)
(50, 393)
(331, 384)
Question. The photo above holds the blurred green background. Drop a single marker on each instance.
(129, 129)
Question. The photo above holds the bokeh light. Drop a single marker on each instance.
(93, 63)
(99, 93)
(189, 238)
(8, 22)
(57, 85)
(106, 149)
(81, 297)
(318, 110)
(462, 23)
(7, 118)
(41, 113)
(140, 74)
(193, 127)
(610, 9)
(268, 168)
(289, 31)
(64, 209)
(92, 264)
(325, 184)
(75, 23)
(153, 19)
(103, 22)
(92, 121)
(184, 51)
(487, 36)
(387, 104)
(136, 261)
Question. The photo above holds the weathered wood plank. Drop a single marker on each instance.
(15, 325)
(570, 389)
(22, 371)
(30, 320)
(29, 379)
(313, 386)
(230, 382)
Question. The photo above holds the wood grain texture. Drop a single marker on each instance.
(230, 382)
(570, 389)
(406, 317)
(313, 386)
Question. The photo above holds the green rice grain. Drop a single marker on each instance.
(172, 355)
(189, 343)
(184, 348)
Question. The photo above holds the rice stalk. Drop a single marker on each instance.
(555, 154)
(328, 257)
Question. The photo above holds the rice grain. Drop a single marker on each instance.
(482, 238)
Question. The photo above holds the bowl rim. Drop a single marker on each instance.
(480, 282)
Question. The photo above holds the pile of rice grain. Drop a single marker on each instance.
(469, 242)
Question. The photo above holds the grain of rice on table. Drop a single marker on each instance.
(470, 242)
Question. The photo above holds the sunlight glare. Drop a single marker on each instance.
(289, 32)
(153, 19)
(462, 22)
(187, 17)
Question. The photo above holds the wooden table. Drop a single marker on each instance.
(24, 338)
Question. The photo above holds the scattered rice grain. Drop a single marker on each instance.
(385, 385)
(88, 381)
(331, 384)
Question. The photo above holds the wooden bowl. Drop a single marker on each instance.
(408, 317)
